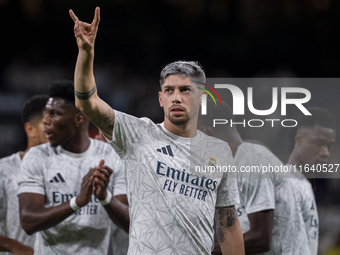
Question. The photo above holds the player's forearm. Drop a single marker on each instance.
(228, 231)
(9, 244)
(33, 219)
(258, 238)
(84, 82)
(86, 97)
(255, 243)
(232, 241)
(118, 213)
(6, 243)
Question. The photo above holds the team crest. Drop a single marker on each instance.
(213, 163)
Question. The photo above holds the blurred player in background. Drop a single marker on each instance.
(67, 192)
(311, 145)
(267, 206)
(171, 209)
(14, 239)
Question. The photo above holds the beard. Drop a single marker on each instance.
(178, 121)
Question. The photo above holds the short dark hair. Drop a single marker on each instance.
(63, 89)
(33, 108)
(320, 117)
(184, 69)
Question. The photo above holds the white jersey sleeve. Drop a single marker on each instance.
(128, 130)
(31, 173)
(227, 192)
(257, 194)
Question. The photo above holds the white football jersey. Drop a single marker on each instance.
(306, 200)
(9, 219)
(57, 174)
(171, 205)
(260, 192)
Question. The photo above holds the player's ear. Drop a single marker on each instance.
(29, 129)
(298, 138)
(79, 119)
(160, 98)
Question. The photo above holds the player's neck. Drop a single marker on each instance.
(22, 154)
(180, 130)
(234, 144)
(79, 144)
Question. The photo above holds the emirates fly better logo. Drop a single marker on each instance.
(239, 104)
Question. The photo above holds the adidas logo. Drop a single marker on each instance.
(57, 178)
(166, 150)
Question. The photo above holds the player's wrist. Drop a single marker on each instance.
(107, 199)
(86, 53)
(73, 204)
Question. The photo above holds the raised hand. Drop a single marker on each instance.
(101, 180)
(85, 32)
(86, 189)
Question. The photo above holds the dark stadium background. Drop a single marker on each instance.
(234, 38)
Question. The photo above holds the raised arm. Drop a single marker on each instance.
(229, 232)
(87, 100)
